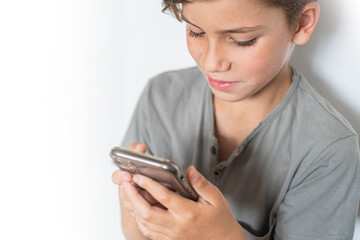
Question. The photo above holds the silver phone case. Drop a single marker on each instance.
(160, 169)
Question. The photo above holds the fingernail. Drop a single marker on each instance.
(137, 147)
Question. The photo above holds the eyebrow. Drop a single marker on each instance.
(235, 30)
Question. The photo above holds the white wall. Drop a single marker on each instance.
(71, 72)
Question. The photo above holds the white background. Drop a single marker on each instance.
(71, 72)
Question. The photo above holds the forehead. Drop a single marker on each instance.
(222, 14)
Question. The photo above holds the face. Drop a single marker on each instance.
(241, 46)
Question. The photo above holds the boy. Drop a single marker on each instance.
(271, 159)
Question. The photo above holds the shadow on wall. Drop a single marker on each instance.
(306, 59)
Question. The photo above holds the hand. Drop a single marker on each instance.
(208, 218)
(119, 177)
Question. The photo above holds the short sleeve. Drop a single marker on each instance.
(138, 130)
(323, 202)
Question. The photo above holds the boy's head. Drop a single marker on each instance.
(243, 47)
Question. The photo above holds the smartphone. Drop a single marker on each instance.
(159, 169)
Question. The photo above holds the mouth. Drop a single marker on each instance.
(222, 85)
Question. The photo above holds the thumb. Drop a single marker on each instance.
(139, 147)
(202, 186)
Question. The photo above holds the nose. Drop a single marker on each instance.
(215, 58)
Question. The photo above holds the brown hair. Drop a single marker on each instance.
(292, 8)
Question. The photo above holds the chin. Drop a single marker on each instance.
(228, 96)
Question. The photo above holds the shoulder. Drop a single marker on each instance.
(321, 134)
(316, 116)
(173, 104)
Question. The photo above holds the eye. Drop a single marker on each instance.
(195, 34)
(244, 44)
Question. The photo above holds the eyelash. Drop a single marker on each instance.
(237, 43)
(195, 35)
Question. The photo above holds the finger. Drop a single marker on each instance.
(139, 147)
(147, 231)
(125, 204)
(163, 195)
(123, 197)
(142, 208)
(119, 177)
(206, 190)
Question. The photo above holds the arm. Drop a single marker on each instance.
(128, 221)
(322, 200)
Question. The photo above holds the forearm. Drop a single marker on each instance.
(129, 226)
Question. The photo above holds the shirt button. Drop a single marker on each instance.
(217, 173)
(213, 150)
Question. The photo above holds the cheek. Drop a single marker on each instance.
(194, 48)
(191, 47)
(267, 58)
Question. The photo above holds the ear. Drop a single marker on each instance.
(307, 22)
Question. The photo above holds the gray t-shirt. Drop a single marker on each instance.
(295, 177)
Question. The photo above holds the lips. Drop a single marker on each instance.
(222, 85)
